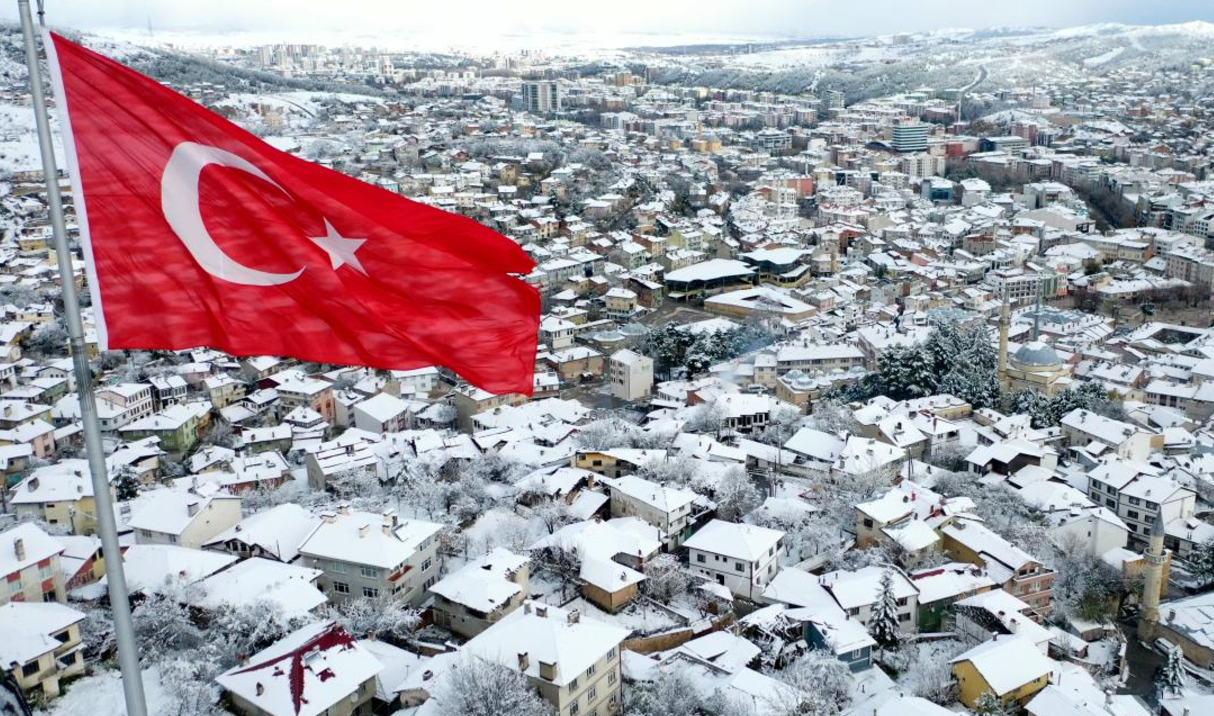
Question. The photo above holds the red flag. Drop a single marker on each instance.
(197, 233)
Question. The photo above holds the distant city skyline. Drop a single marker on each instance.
(470, 21)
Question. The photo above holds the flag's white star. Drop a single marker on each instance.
(341, 249)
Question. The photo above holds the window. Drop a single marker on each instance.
(590, 671)
(903, 617)
(63, 637)
(573, 684)
(341, 587)
(339, 567)
(370, 572)
(591, 694)
(370, 592)
(700, 558)
(1112, 504)
(868, 523)
(426, 564)
(611, 654)
(738, 566)
(1135, 501)
(901, 602)
(30, 669)
(1132, 514)
(611, 677)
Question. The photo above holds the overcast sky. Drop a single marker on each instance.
(474, 20)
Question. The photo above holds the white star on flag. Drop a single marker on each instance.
(341, 249)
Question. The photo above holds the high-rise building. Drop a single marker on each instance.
(910, 136)
(541, 97)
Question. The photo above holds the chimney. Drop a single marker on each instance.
(548, 671)
(19, 548)
(328, 517)
(260, 689)
(362, 531)
(192, 507)
(343, 508)
(574, 616)
(524, 661)
(541, 611)
(526, 607)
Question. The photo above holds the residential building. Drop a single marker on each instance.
(744, 558)
(482, 592)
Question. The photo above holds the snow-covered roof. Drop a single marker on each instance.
(1008, 663)
(303, 674)
(279, 530)
(150, 567)
(29, 628)
(289, 586)
(366, 538)
(36, 545)
(737, 541)
(485, 583)
(548, 635)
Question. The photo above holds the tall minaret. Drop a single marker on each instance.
(1152, 586)
(1005, 320)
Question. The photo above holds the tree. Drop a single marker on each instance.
(1170, 681)
(831, 415)
(126, 486)
(782, 424)
(885, 613)
(475, 687)
(671, 693)
(736, 494)
(1201, 561)
(823, 682)
(553, 513)
(989, 704)
(665, 579)
(384, 616)
(163, 626)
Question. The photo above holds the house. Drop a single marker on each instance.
(669, 509)
(995, 613)
(368, 555)
(30, 566)
(289, 587)
(858, 591)
(630, 375)
(612, 556)
(1138, 494)
(942, 587)
(573, 661)
(276, 533)
(41, 645)
(382, 413)
(223, 390)
(1016, 571)
(1076, 693)
(481, 592)
(1012, 669)
(61, 494)
(318, 670)
(1081, 427)
(615, 462)
(744, 558)
(183, 518)
(82, 561)
(177, 427)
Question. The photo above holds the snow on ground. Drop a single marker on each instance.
(19, 139)
(816, 56)
(1103, 58)
(101, 695)
(640, 617)
(501, 528)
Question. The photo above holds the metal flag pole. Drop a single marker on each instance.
(107, 528)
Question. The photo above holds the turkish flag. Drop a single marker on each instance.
(197, 233)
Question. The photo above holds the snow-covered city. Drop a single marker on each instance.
(874, 376)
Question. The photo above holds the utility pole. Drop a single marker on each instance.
(107, 528)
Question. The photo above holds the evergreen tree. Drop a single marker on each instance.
(1170, 683)
(885, 613)
(988, 704)
(126, 486)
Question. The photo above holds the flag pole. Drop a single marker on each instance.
(107, 528)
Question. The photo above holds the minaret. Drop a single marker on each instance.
(1037, 317)
(1153, 584)
(1005, 320)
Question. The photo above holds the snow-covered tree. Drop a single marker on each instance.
(989, 704)
(384, 616)
(554, 514)
(475, 687)
(736, 494)
(831, 415)
(1170, 682)
(924, 669)
(782, 424)
(672, 693)
(163, 626)
(885, 613)
(665, 579)
(823, 681)
(1201, 561)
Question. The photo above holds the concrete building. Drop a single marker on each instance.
(631, 375)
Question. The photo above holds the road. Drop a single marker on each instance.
(983, 73)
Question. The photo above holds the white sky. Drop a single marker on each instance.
(473, 21)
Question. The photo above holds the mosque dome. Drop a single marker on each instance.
(1036, 355)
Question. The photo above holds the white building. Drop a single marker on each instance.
(631, 375)
(744, 558)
